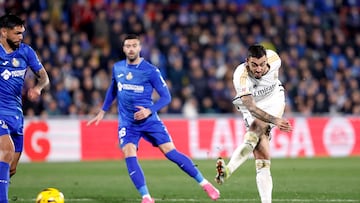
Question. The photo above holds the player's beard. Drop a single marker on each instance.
(252, 74)
(12, 44)
(133, 58)
(257, 76)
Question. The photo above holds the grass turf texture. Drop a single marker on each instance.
(295, 180)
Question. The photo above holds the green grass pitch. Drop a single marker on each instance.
(295, 180)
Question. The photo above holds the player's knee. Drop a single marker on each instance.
(251, 138)
(167, 147)
(258, 127)
(262, 163)
(7, 155)
(129, 150)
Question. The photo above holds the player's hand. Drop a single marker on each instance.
(142, 113)
(284, 125)
(33, 93)
(97, 118)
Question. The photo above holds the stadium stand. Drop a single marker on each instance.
(196, 45)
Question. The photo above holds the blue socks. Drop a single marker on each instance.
(4, 181)
(136, 175)
(185, 164)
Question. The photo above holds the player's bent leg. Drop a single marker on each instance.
(239, 156)
(241, 153)
(183, 162)
(186, 165)
(6, 155)
(189, 167)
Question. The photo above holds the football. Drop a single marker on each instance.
(50, 195)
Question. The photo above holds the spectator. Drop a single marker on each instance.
(193, 44)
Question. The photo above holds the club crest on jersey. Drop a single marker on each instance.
(15, 62)
(129, 76)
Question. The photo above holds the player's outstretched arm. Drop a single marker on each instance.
(97, 118)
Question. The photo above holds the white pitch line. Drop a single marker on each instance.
(252, 200)
(316, 200)
(219, 200)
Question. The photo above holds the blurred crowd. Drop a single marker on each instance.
(196, 45)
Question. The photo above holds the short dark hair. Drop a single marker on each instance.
(10, 21)
(131, 36)
(256, 50)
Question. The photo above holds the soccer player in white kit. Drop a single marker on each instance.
(261, 100)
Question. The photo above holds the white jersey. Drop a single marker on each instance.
(261, 88)
(267, 91)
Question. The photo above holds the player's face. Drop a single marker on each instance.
(14, 36)
(132, 49)
(257, 66)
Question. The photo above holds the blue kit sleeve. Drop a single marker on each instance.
(163, 91)
(33, 60)
(110, 96)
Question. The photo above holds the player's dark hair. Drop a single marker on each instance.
(10, 21)
(256, 50)
(131, 36)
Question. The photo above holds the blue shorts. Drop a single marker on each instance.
(157, 134)
(13, 126)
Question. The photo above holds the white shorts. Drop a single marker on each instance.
(274, 105)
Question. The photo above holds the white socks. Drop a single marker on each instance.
(264, 180)
(242, 152)
(240, 155)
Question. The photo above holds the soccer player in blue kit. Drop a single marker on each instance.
(15, 58)
(133, 81)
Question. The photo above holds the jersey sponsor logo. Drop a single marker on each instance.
(131, 87)
(6, 74)
(120, 75)
(4, 63)
(264, 91)
(17, 73)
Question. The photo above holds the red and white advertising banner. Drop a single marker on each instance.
(72, 140)
(52, 140)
